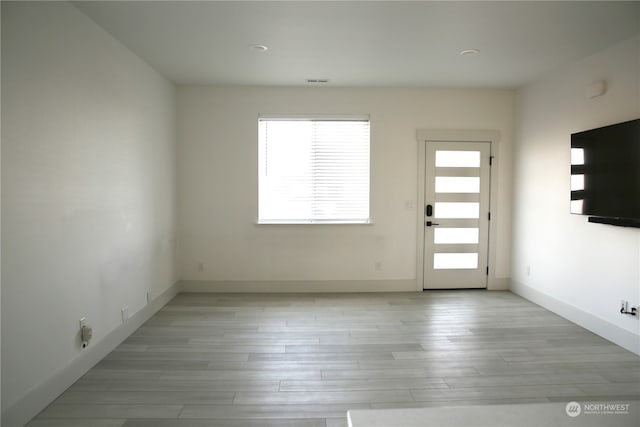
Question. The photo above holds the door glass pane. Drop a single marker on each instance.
(457, 210)
(457, 184)
(457, 159)
(455, 235)
(455, 261)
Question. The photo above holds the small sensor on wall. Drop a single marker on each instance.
(596, 89)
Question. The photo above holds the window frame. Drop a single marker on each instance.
(315, 221)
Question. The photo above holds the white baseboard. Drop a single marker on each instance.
(37, 399)
(597, 325)
(295, 286)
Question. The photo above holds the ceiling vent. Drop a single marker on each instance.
(320, 81)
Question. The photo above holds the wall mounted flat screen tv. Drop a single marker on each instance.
(605, 174)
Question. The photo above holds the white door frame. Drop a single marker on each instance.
(453, 135)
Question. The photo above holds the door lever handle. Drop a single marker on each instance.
(429, 223)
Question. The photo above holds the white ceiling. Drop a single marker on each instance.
(363, 43)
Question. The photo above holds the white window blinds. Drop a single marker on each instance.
(313, 170)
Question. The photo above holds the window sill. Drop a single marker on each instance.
(313, 222)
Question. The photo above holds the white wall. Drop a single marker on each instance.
(217, 187)
(578, 269)
(88, 189)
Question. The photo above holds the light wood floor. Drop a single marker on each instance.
(305, 359)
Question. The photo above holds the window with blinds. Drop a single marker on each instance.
(313, 170)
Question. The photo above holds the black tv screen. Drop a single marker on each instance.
(605, 171)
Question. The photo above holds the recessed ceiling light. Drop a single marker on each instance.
(258, 48)
(317, 80)
(469, 52)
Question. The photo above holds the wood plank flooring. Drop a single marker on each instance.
(305, 359)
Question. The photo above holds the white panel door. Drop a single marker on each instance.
(456, 214)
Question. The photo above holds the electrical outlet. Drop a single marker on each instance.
(200, 266)
(85, 332)
(528, 270)
(378, 265)
(633, 310)
(125, 314)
